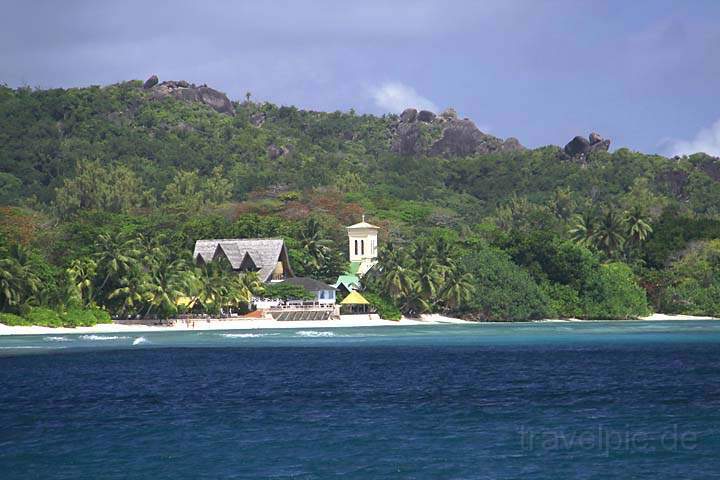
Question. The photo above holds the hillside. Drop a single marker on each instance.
(177, 161)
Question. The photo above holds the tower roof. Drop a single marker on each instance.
(363, 224)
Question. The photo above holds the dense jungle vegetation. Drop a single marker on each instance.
(104, 190)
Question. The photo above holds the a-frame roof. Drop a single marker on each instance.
(262, 253)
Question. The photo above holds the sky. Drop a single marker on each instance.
(645, 74)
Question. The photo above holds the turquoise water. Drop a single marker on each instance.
(539, 333)
(540, 401)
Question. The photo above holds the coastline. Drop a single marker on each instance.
(240, 324)
(260, 324)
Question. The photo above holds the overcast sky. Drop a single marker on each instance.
(644, 73)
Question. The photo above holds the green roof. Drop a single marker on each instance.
(354, 267)
(348, 281)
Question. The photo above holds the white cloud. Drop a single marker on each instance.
(395, 97)
(707, 140)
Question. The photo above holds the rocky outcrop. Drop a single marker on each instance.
(453, 137)
(449, 114)
(675, 181)
(274, 152)
(150, 82)
(408, 115)
(510, 144)
(257, 119)
(190, 92)
(462, 137)
(407, 139)
(710, 166)
(581, 147)
(425, 116)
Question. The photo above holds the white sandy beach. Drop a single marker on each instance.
(240, 324)
(261, 323)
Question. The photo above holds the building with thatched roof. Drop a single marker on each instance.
(266, 256)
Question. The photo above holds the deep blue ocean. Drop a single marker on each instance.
(597, 400)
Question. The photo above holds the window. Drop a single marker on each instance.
(356, 247)
(362, 247)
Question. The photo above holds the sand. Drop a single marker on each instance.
(265, 323)
(240, 324)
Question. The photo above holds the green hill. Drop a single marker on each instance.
(479, 226)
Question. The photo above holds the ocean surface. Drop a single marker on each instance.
(597, 400)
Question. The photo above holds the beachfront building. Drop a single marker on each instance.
(324, 293)
(347, 283)
(266, 256)
(363, 247)
(269, 258)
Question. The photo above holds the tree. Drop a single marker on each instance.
(319, 249)
(583, 228)
(115, 258)
(503, 291)
(167, 281)
(613, 293)
(101, 187)
(609, 236)
(18, 281)
(457, 290)
(80, 277)
(638, 225)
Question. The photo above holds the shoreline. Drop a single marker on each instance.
(240, 324)
(261, 324)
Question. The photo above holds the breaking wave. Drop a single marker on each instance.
(102, 337)
(140, 341)
(57, 339)
(314, 333)
(247, 335)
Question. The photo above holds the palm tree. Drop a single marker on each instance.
(132, 292)
(242, 288)
(317, 247)
(610, 234)
(18, 282)
(638, 226)
(80, 275)
(583, 229)
(562, 204)
(443, 253)
(212, 287)
(115, 257)
(413, 302)
(398, 281)
(457, 290)
(429, 275)
(164, 286)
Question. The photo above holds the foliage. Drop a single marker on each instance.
(386, 309)
(612, 293)
(503, 290)
(284, 291)
(110, 188)
(43, 317)
(12, 320)
(694, 281)
(78, 318)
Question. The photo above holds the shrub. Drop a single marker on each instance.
(614, 294)
(503, 290)
(564, 301)
(12, 320)
(385, 308)
(101, 316)
(43, 317)
(78, 318)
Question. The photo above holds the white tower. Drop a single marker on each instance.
(362, 244)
